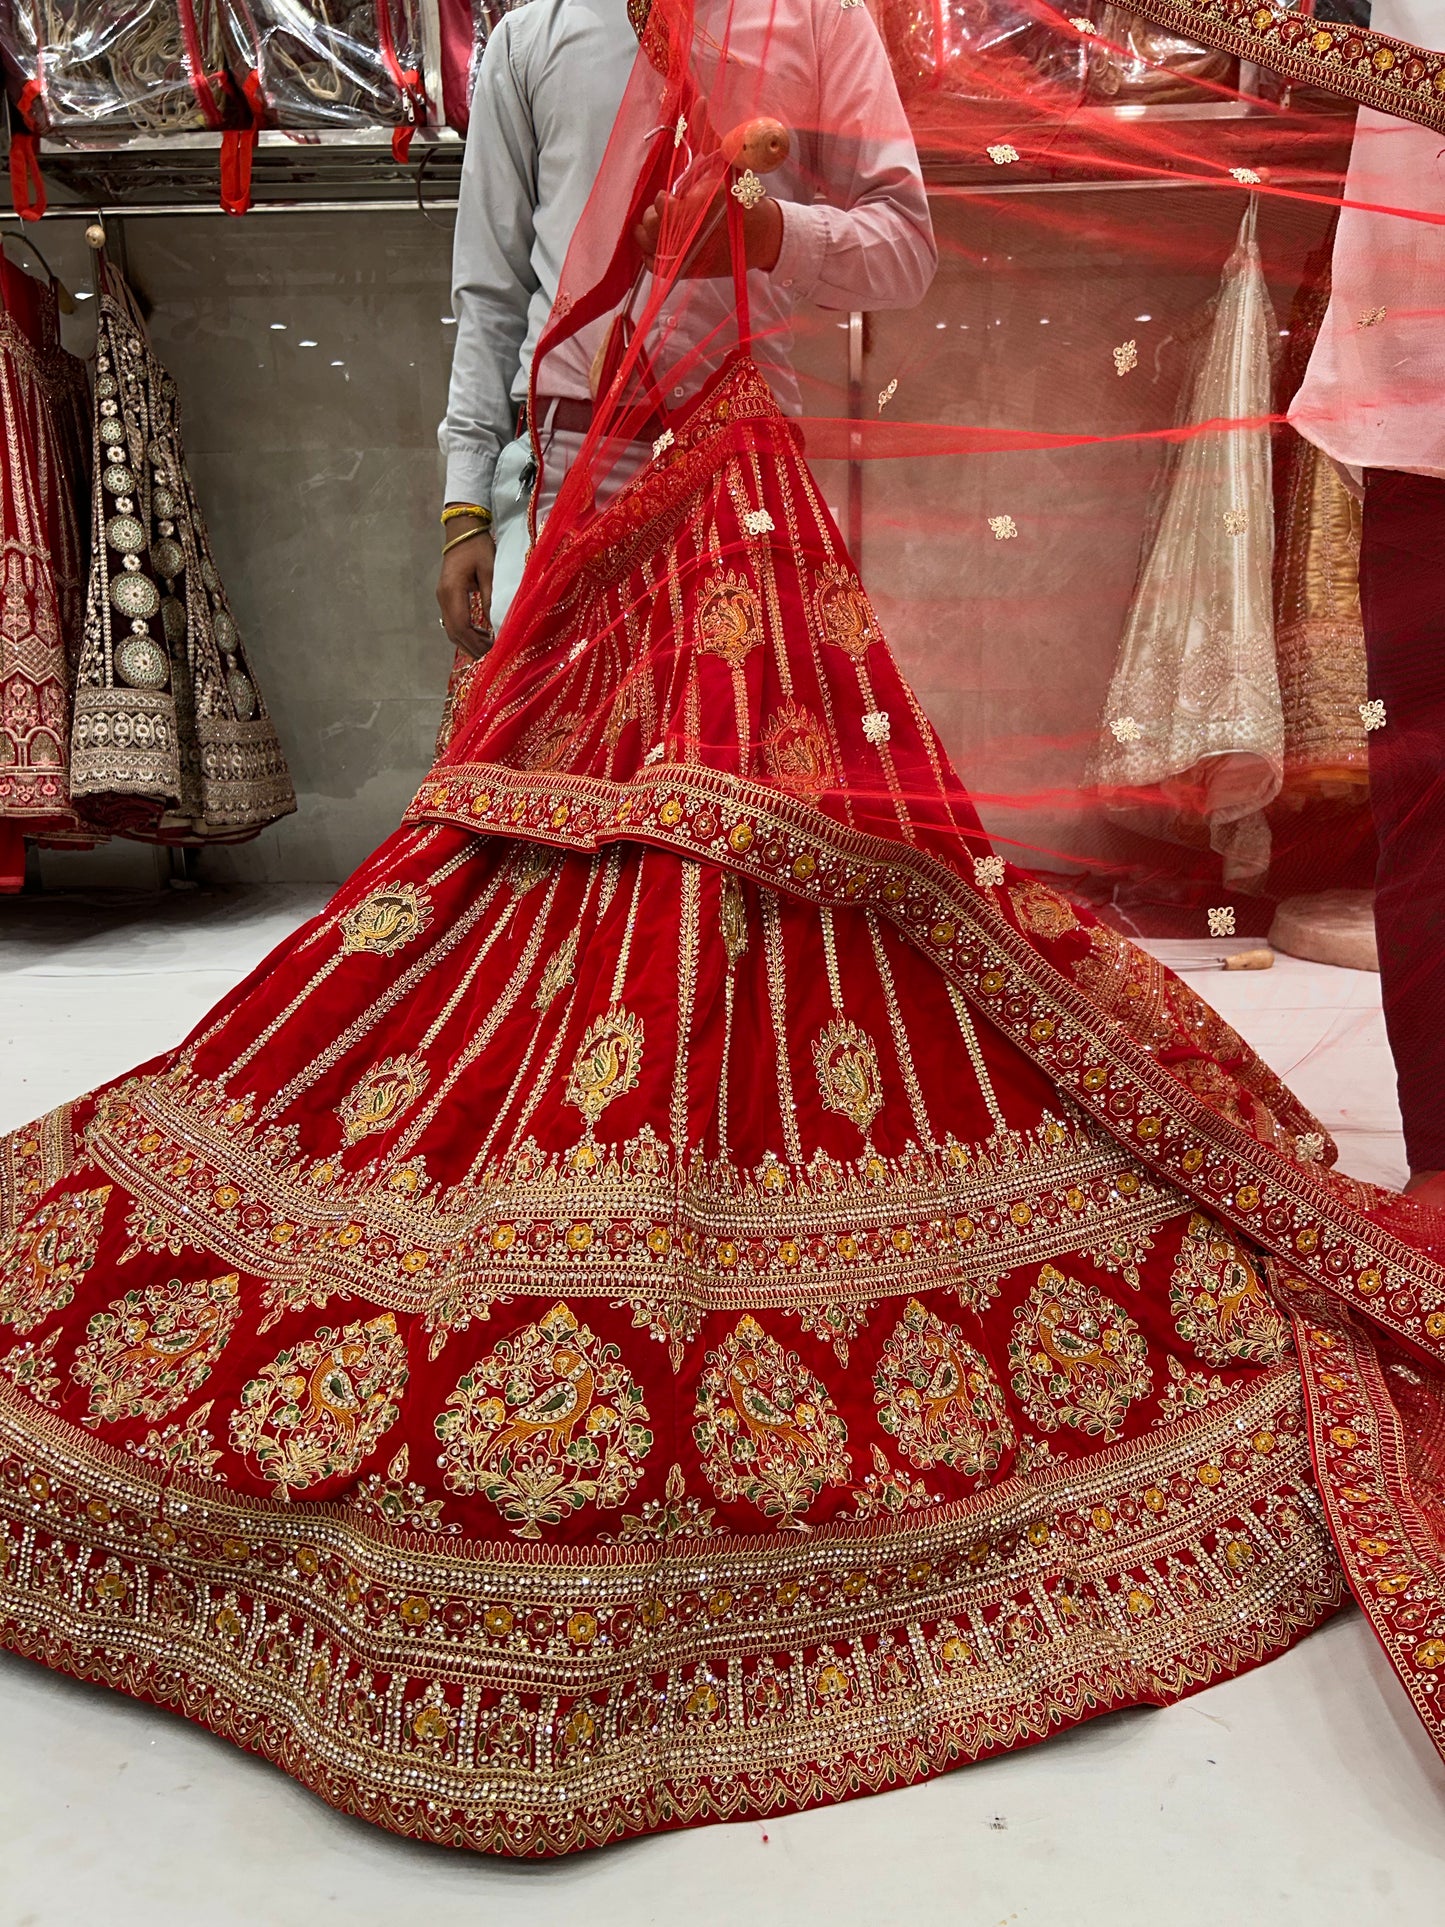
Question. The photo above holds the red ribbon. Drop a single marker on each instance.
(406, 80)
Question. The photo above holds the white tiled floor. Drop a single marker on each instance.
(1304, 1795)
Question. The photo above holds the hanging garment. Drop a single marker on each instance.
(172, 739)
(570, 1346)
(44, 401)
(1319, 635)
(1196, 677)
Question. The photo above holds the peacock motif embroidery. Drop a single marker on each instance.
(796, 753)
(766, 1427)
(937, 1396)
(547, 1423)
(382, 1097)
(149, 1350)
(319, 1409)
(385, 921)
(844, 614)
(847, 1065)
(1220, 1306)
(729, 619)
(608, 1063)
(46, 1257)
(1077, 1358)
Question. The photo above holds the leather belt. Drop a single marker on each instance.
(574, 417)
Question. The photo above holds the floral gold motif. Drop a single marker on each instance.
(1078, 1359)
(938, 1397)
(766, 1427)
(547, 1423)
(796, 754)
(45, 1258)
(1220, 1306)
(729, 619)
(148, 1351)
(844, 614)
(321, 1406)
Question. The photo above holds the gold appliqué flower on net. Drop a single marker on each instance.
(885, 395)
(876, 727)
(1372, 317)
(758, 522)
(1002, 153)
(748, 189)
(1309, 1147)
(1372, 713)
(1125, 729)
(1126, 357)
(1235, 521)
(987, 871)
(1221, 921)
(664, 442)
(1247, 176)
(1004, 527)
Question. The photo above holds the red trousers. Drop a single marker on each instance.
(1402, 598)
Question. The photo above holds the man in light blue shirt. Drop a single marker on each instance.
(845, 224)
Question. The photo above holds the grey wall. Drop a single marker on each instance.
(321, 483)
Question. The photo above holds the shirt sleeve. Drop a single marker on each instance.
(493, 278)
(867, 240)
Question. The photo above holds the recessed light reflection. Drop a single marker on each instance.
(308, 344)
(278, 327)
(338, 364)
(1143, 317)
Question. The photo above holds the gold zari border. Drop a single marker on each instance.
(1302, 1213)
(522, 1700)
(1357, 64)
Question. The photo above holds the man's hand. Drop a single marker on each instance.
(466, 577)
(704, 212)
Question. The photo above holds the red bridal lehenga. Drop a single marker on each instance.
(693, 1289)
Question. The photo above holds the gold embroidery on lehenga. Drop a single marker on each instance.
(608, 1063)
(765, 1426)
(676, 1515)
(31, 1367)
(1219, 1304)
(185, 1446)
(48, 1254)
(382, 1097)
(548, 1422)
(937, 1396)
(400, 1501)
(844, 614)
(1078, 1359)
(320, 1407)
(149, 1350)
(847, 1066)
(386, 920)
(796, 754)
(556, 972)
(729, 618)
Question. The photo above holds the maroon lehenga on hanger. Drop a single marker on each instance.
(694, 1289)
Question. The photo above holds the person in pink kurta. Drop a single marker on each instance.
(1374, 400)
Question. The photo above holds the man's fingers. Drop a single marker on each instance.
(454, 601)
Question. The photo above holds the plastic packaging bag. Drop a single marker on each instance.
(333, 63)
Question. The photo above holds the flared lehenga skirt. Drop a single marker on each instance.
(660, 1305)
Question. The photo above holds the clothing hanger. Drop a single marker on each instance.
(65, 300)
